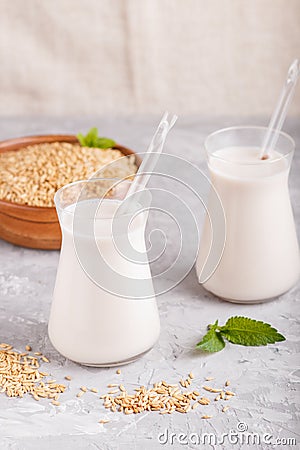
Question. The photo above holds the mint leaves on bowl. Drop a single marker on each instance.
(239, 330)
(91, 139)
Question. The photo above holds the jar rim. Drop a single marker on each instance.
(115, 181)
(282, 134)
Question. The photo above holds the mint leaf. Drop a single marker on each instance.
(212, 341)
(81, 139)
(239, 330)
(246, 331)
(91, 139)
(105, 143)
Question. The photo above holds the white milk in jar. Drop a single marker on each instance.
(261, 254)
(91, 325)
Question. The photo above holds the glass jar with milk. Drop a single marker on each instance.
(261, 254)
(104, 310)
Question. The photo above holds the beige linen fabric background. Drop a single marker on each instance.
(73, 57)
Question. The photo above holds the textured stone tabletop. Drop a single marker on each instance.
(265, 379)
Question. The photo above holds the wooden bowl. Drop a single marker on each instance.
(33, 226)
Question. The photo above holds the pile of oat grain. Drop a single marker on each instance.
(32, 175)
(20, 375)
(164, 397)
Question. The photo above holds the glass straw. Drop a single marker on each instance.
(280, 111)
(152, 155)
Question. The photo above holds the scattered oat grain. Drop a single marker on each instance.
(55, 403)
(229, 393)
(204, 401)
(207, 388)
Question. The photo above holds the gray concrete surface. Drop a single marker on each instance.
(266, 379)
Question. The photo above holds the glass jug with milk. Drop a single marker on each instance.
(104, 310)
(261, 254)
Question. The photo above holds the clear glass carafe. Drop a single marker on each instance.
(261, 254)
(104, 310)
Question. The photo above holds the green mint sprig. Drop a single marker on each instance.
(91, 139)
(239, 330)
